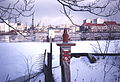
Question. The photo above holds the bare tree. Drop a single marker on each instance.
(104, 8)
(7, 78)
(14, 9)
(106, 70)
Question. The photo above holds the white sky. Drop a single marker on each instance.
(48, 12)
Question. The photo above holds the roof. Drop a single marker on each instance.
(118, 24)
(104, 24)
(110, 22)
(90, 24)
(52, 28)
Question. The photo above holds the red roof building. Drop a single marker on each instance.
(107, 26)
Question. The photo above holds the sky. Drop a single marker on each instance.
(47, 12)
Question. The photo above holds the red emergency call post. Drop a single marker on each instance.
(65, 51)
(65, 47)
(65, 56)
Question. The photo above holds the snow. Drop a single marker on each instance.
(13, 58)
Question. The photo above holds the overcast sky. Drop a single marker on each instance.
(48, 12)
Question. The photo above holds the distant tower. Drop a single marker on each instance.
(33, 20)
(32, 29)
(32, 26)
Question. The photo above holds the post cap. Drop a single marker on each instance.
(65, 35)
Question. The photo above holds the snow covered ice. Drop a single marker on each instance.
(12, 60)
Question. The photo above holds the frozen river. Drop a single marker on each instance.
(14, 57)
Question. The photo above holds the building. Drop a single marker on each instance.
(98, 21)
(4, 28)
(56, 33)
(53, 32)
(99, 25)
(87, 21)
(21, 27)
(14, 25)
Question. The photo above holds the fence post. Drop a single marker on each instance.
(48, 67)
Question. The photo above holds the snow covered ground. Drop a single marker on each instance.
(14, 56)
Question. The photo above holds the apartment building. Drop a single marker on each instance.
(99, 25)
(5, 28)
